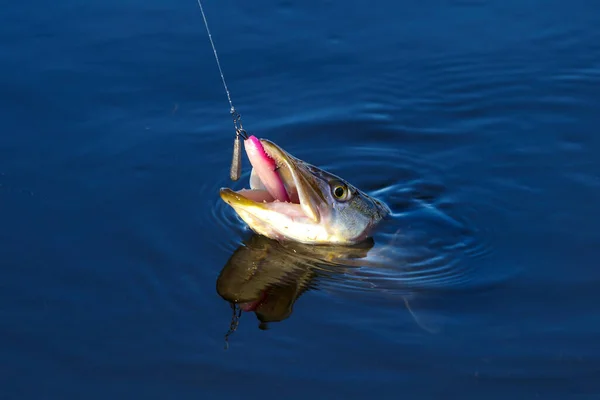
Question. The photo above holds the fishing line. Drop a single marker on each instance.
(236, 162)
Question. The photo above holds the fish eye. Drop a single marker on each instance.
(339, 191)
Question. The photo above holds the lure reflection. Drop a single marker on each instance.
(267, 277)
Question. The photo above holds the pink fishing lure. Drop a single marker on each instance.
(266, 168)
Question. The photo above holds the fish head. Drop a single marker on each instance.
(290, 199)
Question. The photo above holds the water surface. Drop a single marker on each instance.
(475, 121)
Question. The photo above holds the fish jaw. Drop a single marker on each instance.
(276, 220)
(276, 175)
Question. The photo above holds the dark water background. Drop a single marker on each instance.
(476, 121)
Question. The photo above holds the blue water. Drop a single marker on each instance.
(476, 121)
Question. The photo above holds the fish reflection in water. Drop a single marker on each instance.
(267, 277)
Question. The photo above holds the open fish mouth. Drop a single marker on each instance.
(281, 187)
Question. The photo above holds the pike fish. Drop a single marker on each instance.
(292, 200)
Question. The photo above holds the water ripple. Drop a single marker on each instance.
(430, 241)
